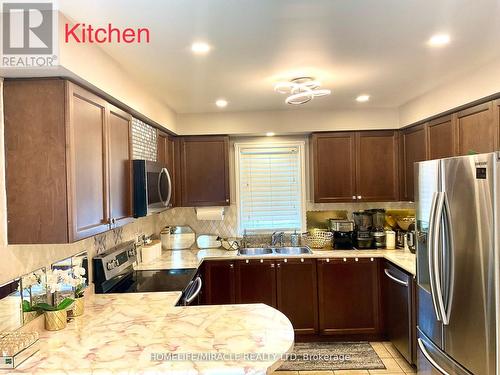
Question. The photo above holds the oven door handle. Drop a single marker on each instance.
(191, 298)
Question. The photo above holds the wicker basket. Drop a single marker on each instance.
(317, 239)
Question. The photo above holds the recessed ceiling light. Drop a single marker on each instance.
(439, 40)
(200, 48)
(221, 103)
(363, 98)
(270, 134)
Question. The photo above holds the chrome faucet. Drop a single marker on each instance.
(278, 238)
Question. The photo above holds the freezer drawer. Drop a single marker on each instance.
(432, 361)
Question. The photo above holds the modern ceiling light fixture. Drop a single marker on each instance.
(301, 90)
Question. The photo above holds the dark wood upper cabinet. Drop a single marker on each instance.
(204, 170)
(440, 135)
(256, 282)
(120, 169)
(476, 129)
(413, 148)
(219, 280)
(88, 159)
(297, 293)
(67, 162)
(349, 296)
(334, 163)
(347, 166)
(377, 166)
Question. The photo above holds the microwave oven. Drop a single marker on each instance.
(152, 187)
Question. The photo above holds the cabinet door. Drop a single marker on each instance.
(256, 282)
(120, 171)
(348, 294)
(88, 207)
(333, 162)
(297, 291)
(440, 138)
(477, 130)
(205, 171)
(377, 166)
(413, 149)
(219, 282)
(397, 304)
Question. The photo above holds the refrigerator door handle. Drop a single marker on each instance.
(437, 231)
(430, 255)
(426, 354)
(450, 257)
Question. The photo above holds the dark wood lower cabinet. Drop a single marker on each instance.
(218, 282)
(297, 290)
(324, 299)
(256, 281)
(349, 302)
(399, 314)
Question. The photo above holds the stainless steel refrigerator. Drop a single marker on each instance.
(458, 264)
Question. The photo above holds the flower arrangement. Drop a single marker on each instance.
(29, 282)
(78, 281)
(55, 279)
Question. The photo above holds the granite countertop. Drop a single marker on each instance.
(120, 333)
(193, 258)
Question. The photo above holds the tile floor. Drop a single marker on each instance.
(395, 364)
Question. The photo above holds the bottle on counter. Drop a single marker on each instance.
(390, 239)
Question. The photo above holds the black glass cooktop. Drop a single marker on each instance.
(154, 281)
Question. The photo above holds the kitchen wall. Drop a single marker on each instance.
(469, 87)
(298, 120)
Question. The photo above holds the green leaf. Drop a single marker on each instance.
(65, 303)
(26, 306)
(42, 306)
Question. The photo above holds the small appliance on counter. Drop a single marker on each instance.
(363, 224)
(177, 238)
(404, 224)
(378, 231)
(410, 238)
(343, 234)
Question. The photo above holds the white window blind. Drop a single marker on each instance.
(270, 187)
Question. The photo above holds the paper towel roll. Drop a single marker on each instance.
(210, 213)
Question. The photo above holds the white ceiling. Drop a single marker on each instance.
(352, 46)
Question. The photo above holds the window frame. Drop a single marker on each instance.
(302, 161)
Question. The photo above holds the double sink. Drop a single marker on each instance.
(256, 251)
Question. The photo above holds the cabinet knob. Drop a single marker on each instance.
(231, 265)
(353, 197)
(247, 261)
(227, 200)
(272, 265)
(327, 260)
(302, 260)
(371, 259)
(278, 265)
(345, 259)
(262, 260)
(359, 197)
(356, 259)
(285, 260)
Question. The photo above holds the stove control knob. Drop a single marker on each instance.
(131, 253)
(115, 263)
(110, 265)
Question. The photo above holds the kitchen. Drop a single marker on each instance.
(325, 209)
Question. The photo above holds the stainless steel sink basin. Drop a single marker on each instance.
(255, 251)
(293, 250)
